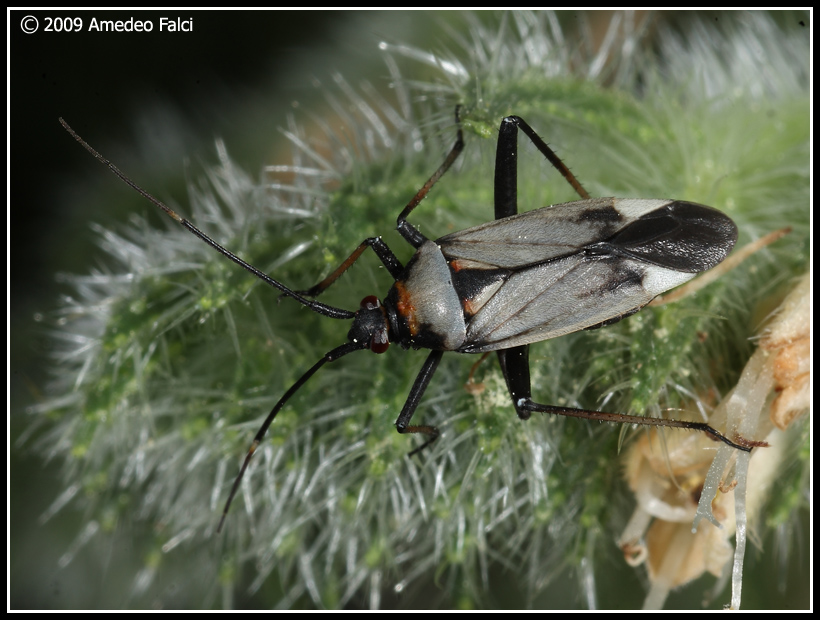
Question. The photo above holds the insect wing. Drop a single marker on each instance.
(554, 271)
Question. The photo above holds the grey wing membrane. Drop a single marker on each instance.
(551, 286)
(542, 234)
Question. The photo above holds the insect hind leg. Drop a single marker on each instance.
(737, 442)
(506, 165)
(515, 367)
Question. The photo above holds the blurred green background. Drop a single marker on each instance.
(235, 77)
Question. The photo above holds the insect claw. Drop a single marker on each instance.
(749, 443)
(421, 447)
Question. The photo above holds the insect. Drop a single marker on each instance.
(502, 285)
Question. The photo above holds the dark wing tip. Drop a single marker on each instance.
(681, 235)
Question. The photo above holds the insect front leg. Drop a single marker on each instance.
(385, 254)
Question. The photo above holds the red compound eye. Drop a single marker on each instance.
(379, 342)
(371, 302)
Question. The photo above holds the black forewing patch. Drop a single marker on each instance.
(684, 236)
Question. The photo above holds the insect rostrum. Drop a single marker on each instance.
(502, 285)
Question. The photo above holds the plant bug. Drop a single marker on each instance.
(502, 285)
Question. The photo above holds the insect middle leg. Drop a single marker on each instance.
(385, 254)
(410, 233)
(412, 402)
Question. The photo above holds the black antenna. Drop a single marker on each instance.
(330, 356)
(320, 308)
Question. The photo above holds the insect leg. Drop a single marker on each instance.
(514, 362)
(405, 228)
(508, 135)
(515, 366)
(740, 443)
(516, 370)
(381, 249)
(506, 170)
(419, 386)
(473, 387)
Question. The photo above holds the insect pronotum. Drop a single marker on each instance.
(504, 284)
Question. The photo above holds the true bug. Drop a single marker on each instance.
(505, 284)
